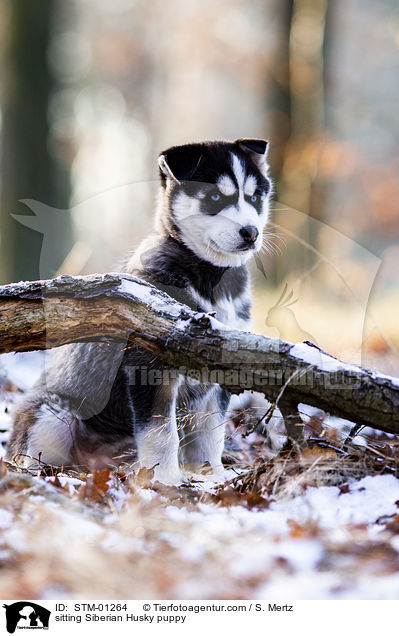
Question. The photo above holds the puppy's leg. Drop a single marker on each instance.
(52, 437)
(156, 431)
(203, 430)
(44, 432)
(49, 429)
(107, 438)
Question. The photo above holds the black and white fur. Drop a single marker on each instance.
(91, 406)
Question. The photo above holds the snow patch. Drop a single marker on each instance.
(312, 355)
(6, 518)
(23, 369)
(149, 296)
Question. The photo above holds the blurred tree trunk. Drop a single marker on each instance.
(28, 169)
(278, 111)
(306, 64)
(278, 100)
(299, 98)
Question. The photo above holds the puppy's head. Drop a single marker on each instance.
(217, 198)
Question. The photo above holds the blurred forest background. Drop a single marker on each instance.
(92, 91)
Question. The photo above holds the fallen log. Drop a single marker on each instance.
(119, 307)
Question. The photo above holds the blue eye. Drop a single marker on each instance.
(254, 198)
(215, 197)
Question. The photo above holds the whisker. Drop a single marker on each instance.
(269, 245)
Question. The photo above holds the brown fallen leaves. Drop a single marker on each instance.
(294, 470)
(228, 496)
(97, 485)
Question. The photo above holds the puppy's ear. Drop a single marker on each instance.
(256, 149)
(179, 163)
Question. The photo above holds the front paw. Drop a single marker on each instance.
(205, 472)
(170, 477)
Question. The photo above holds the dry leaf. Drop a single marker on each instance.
(3, 469)
(296, 530)
(230, 497)
(144, 477)
(96, 486)
(310, 455)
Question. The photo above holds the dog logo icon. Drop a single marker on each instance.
(26, 615)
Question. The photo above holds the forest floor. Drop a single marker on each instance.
(321, 523)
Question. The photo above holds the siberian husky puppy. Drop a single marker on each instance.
(97, 405)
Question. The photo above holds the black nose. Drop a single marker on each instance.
(249, 233)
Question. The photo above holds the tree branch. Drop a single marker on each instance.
(46, 314)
